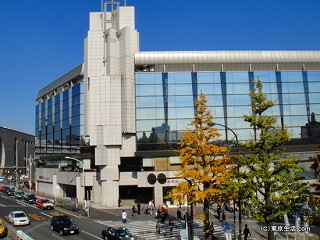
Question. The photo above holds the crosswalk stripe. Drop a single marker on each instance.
(146, 229)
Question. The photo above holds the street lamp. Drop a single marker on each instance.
(83, 182)
(30, 162)
(211, 124)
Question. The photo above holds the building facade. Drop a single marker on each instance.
(16, 152)
(121, 112)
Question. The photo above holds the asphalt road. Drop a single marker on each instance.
(39, 227)
(142, 226)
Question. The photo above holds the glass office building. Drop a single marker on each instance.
(59, 121)
(165, 103)
(121, 112)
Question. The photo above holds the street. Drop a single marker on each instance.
(142, 226)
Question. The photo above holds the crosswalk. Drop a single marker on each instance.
(146, 229)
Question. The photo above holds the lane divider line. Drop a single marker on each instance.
(91, 235)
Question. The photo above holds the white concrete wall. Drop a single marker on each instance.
(110, 95)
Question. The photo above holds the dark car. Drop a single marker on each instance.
(30, 198)
(120, 233)
(9, 192)
(64, 225)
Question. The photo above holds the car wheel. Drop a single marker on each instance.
(52, 229)
(61, 232)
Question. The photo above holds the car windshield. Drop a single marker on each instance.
(122, 232)
(20, 215)
(32, 196)
(46, 201)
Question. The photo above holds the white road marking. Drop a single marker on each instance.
(91, 235)
(46, 214)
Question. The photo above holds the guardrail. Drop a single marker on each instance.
(23, 236)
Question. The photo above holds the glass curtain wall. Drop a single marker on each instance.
(165, 103)
(59, 122)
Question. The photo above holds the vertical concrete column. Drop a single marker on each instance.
(96, 191)
(158, 195)
(110, 193)
(79, 189)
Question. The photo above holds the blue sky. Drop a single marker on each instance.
(40, 40)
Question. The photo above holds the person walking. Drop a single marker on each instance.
(219, 212)
(139, 208)
(246, 232)
(179, 216)
(171, 224)
(223, 217)
(134, 211)
(124, 216)
(158, 227)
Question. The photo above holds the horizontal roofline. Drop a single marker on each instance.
(73, 74)
(190, 57)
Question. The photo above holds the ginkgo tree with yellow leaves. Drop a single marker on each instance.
(206, 167)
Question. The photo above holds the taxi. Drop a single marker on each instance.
(3, 230)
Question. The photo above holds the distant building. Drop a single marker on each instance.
(16, 150)
(121, 112)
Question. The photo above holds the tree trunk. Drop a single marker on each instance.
(206, 221)
(270, 233)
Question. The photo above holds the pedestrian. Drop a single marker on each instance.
(150, 207)
(158, 227)
(223, 218)
(139, 208)
(219, 212)
(246, 232)
(211, 230)
(179, 214)
(119, 202)
(134, 211)
(184, 214)
(124, 216)
(158, 214)
(170, 224)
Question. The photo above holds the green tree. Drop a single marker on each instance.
(206, 167)
(269, 180)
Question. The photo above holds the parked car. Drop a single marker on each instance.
(2, 178)
(9, 191)
(44, 203)
(3, 229)
(5, 188)
(18, 218)
(120, 233)
(64, 225)
(19, 195)
(30, 198)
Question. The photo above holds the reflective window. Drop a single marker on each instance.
(152, 101)
(208, 89)
(314, 87)
(180, 101)
(237, 77)
(180, 89)
(238, 100)
(291, 76)
(293, 87)
(241, 88)
(180, 113)
(149, 90)
(314, 76)
(294, 98)
(266, 77)
(177, 78)
(214, 100)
